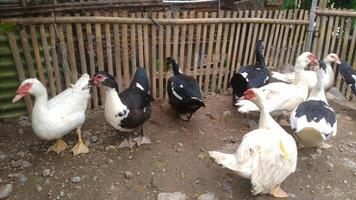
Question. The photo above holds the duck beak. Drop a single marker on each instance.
(88, 86)
(17, 97)
(338, 61)
(242, 98)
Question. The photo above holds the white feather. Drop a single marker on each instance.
(114, 106)
(139, 86)
(176, 95)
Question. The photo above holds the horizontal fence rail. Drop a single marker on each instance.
(210, 46)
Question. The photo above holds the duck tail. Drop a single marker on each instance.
(140, 79)
(288, 77)
(224, 159)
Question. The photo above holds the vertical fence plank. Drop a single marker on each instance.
(196, 57)
(140, 42)
(71, 53)
(249, 32)
(202, 53)
(302, 39)
(270, 42)
(229, 72)
(293, 45)
(262, 26)
(99, 53)
(251, 57)
(168, 51)
(147, 48)
(334, 35)
(328, 35)
(190, 44)
(133, 45)
(80, 38)
(161, 59)
(57, 74)
(267, 35)
(118, 67)
(222, 67)
(18, 64)
(63, 53)
(91, 61)
(27, 53)
(36, 52)
(238, 59)
(209, 59)
(182, 44)
(283, 48)
(175, 38)
(125, 50)
(153, 56)
(216, 56)
(321, 42)
(274, 52)
(108, 48)
(346, 37)
(280, 30)
(352, 46)
(47, 60)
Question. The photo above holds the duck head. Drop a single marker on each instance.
(175, 67)
(102, 78)
(28, 86)
(304, 60)
(332, 58)
(254, 95)
(260, 45)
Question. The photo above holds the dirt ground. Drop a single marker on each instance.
(175, 161)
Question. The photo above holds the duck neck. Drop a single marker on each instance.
(260, 60)
(318, 90)
(112, 96)
(265, 121)
(299, 78)
(40, 93)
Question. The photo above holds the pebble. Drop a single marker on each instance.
(38, 188)
(15, 164)
(61, 193)
(23, 178)
(346, 182)
(207, 196)
(25, 164)
(111, 161)
(76, 179)
(319, 151)
(2, 155)
(328, 187)
(5, 191)
(46, 172)
(128, 174)
(171, 196)
(226, 113)
(94, 138)
(293, 195)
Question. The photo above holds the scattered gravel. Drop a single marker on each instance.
(5, 191)
(76, 179)
(128, 174)
(23, 178)
(207, 196)
(38, 188)
(46, 172)
(171, 196)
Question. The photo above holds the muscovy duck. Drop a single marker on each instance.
(250, 76)
(283, 97)
(128, 110)
(349, 75)
(310, 76)
(266, 156)
(184, 92)
(314, 120)
(54, 118)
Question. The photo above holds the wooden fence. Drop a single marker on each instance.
(207, 45)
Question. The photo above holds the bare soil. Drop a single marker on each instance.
(175, 161)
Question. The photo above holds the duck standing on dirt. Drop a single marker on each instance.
(250, 76)
(129, 110)
(183, 91)
(266, 156)
(349, 75)
(314, 120)
(54, 118)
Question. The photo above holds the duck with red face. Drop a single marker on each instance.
(54, 118)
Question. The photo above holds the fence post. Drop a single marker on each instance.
(311, 26)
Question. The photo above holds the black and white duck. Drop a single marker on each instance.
(349, 75)
(314, 120)
(250, 76)
(184, 92)
(128, 110)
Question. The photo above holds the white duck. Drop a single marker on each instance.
(54, 118)
(310, 76)
(314, 120)
(267, 155)
(283, 97)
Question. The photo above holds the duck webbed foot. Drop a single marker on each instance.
(138, 139)
(278, 192)
(58, 147)
(80, 147)
(185, 117)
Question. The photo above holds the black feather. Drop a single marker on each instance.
(349, 74)
(141, 78)
(315, 110)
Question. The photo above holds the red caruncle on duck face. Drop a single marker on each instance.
(22, 91)
(97, 79)
(249, 94)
